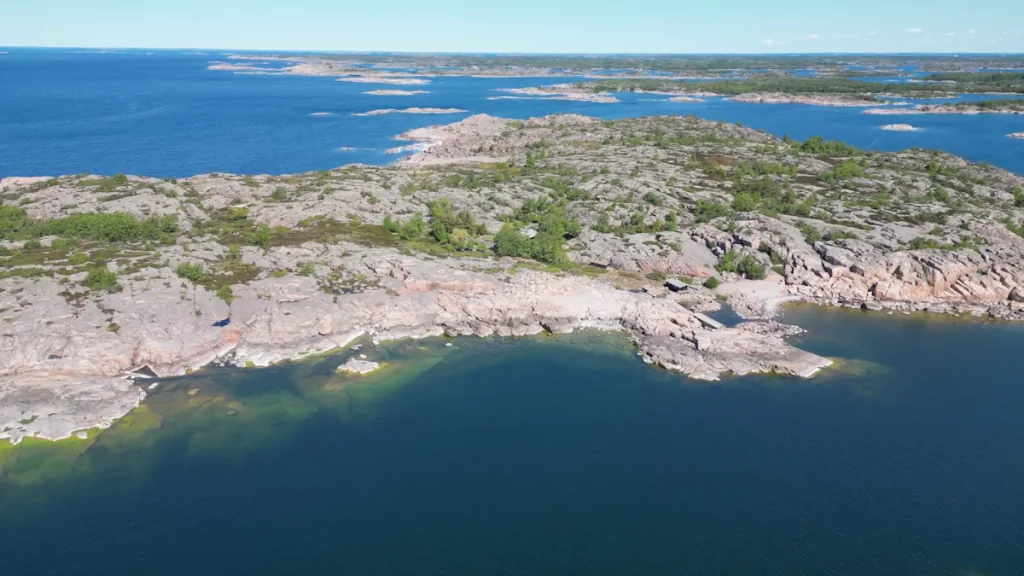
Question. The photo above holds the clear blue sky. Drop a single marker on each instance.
(522, 26)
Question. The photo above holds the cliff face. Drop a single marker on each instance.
(258, 269)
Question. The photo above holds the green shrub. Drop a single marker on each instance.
(444, 222)
(653, 199)
(810, 232)
(844, 171)
(193, 272)
(711, 283)
(819, 146)
(413, 229)
(101, 279)
(107, 227)
(509, 242)
(747, 266)
(225, 293)
(63, 243)
(708, 210)
(261, 237)
(744, 202)
(834, 235)
(751, 268)
(547, 248)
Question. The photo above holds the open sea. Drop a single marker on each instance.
(164, 114)
(548, 455)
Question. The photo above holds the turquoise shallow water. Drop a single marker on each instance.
(543, 457)
(164, 114)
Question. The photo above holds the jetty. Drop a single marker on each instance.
(708, 321)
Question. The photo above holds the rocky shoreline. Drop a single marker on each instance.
(254, 270)
(395, 92)
(807, 99)
(384, 111)
(562, 92)
(900, 128)
(946, 109)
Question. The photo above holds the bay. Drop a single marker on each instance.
(564, 455)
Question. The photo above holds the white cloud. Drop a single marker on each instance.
(913, 30)
(812, 37)
(950, 33)
(845, 35)
(767, 42)
(973, 32)
(872, 34)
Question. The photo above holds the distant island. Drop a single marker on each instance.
(1001, 106)
(493, 226)
(835, 75)
(900, 128)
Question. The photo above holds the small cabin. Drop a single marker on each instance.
(677, 285)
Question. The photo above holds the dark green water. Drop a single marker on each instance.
(537, 457)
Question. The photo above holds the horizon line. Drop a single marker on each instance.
(511, 53)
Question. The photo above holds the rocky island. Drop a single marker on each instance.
(900, 128)
(1000, 106)
(560, 92)
(383, 111)
(496, 227)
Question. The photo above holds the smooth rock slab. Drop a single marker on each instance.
(355, 366)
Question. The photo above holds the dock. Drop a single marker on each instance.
(708, 321)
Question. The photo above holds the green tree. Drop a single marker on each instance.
(547, 248)
(509, 242)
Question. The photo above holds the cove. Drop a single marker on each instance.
(557, 455)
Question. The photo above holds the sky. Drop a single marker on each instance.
(537, 26)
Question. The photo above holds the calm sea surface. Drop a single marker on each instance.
(164, 114)
(552, 456)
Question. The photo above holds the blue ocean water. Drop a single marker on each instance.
(529, 457)
(164, 114)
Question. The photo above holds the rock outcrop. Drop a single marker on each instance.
(64, 369)
(254, 270)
